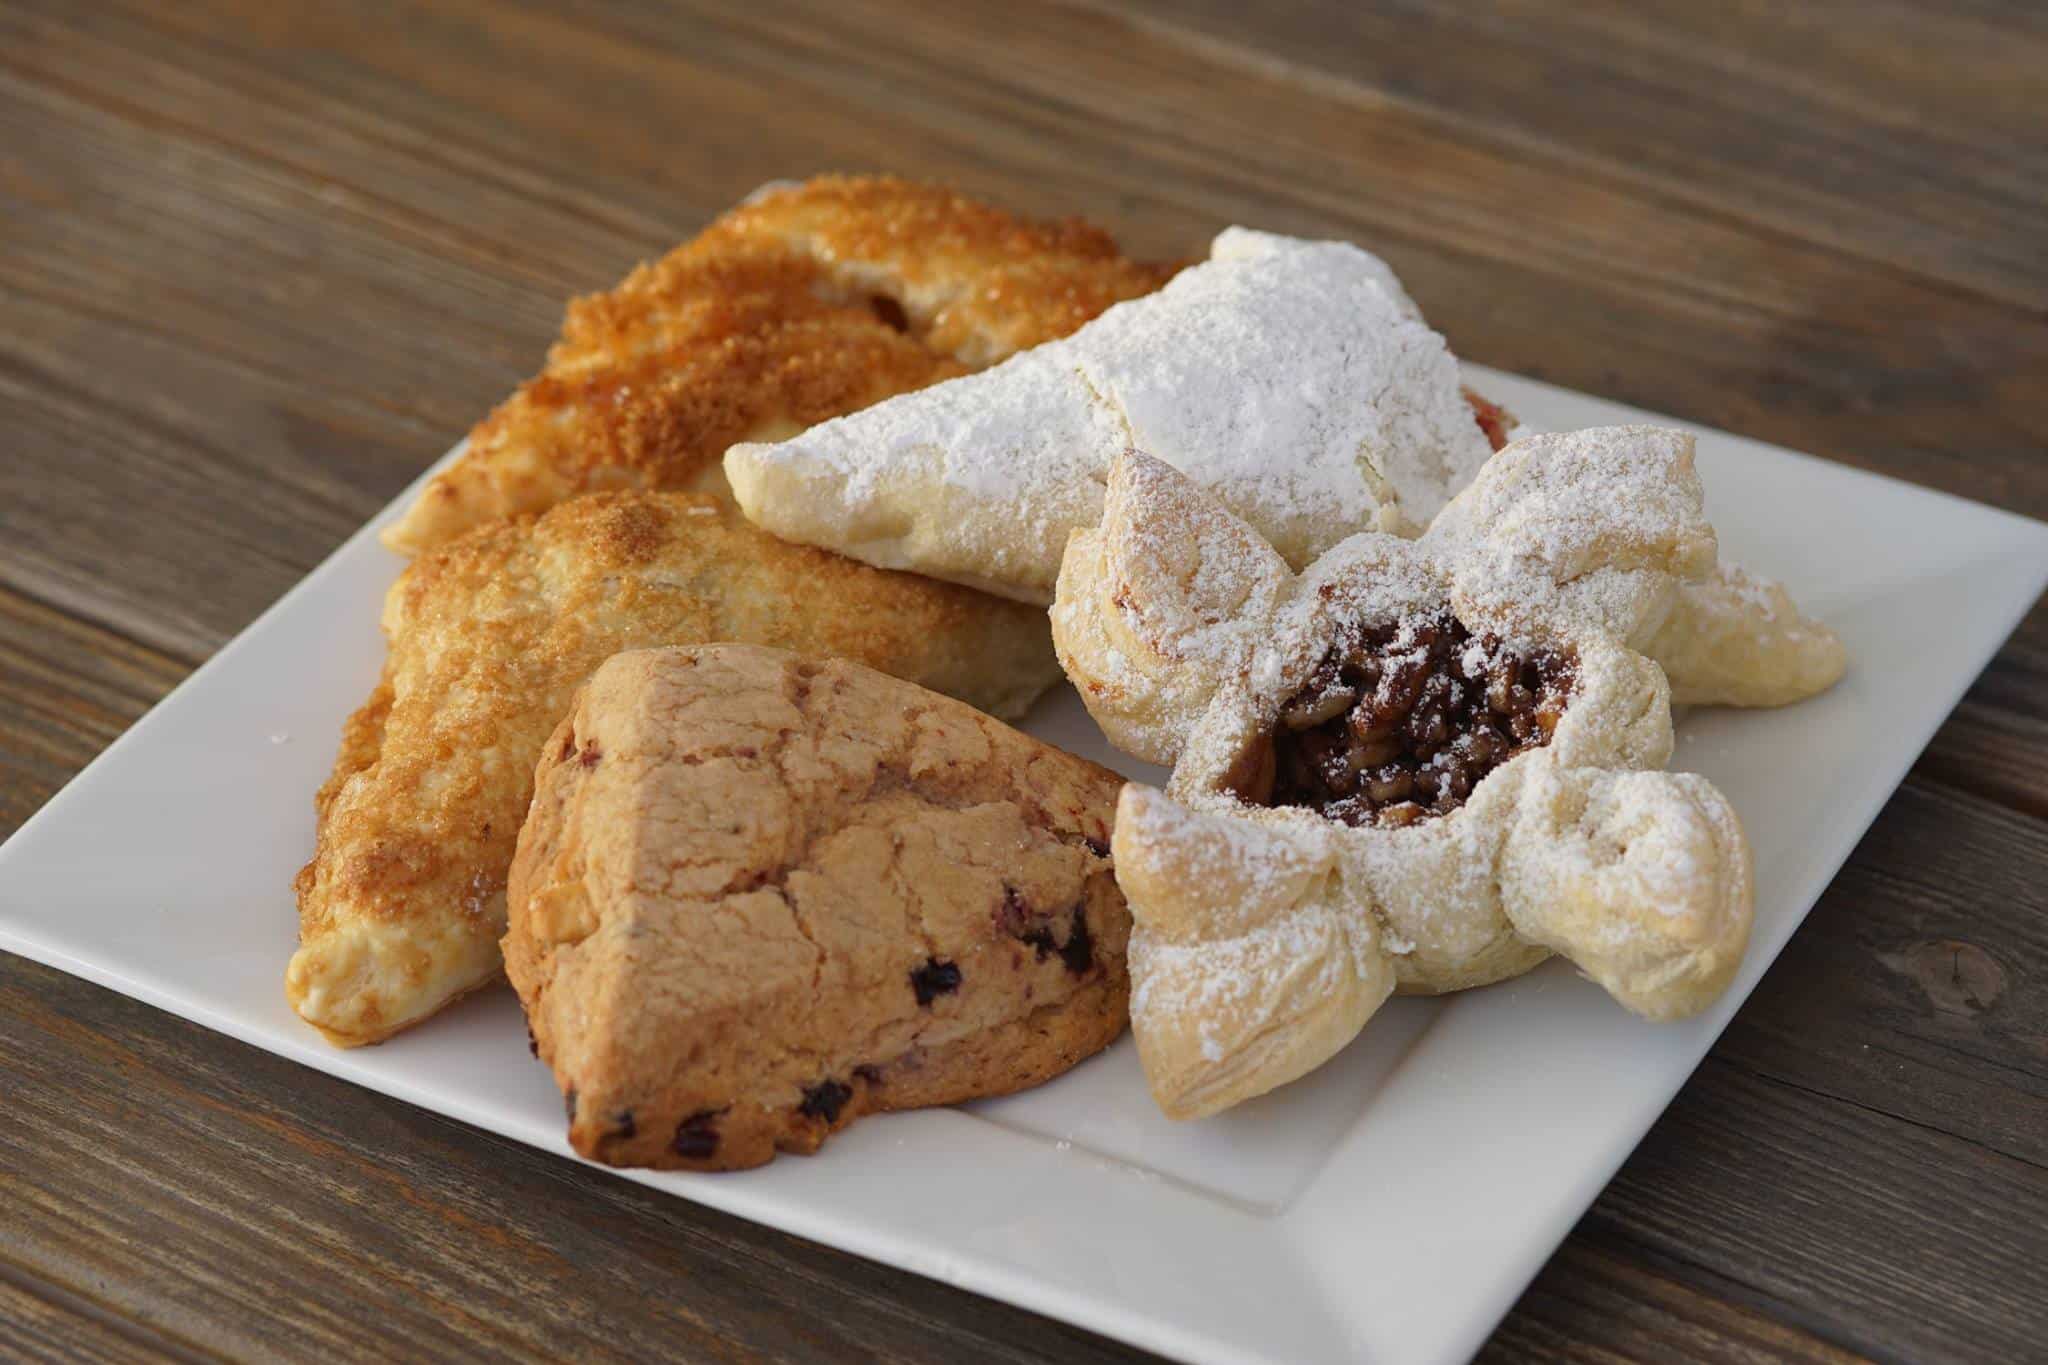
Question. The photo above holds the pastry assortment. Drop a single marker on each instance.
(690, 717)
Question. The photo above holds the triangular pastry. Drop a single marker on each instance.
(807, 301)
(760, 895)
(1418, 765)
(1292, 379)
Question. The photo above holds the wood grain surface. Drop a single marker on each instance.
(260, 262)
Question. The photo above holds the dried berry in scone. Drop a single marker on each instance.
(1416, 765)
(758, 896)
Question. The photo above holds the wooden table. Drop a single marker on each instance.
(260, 260)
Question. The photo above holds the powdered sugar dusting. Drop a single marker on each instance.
(1250, 244)
(1258, 860)
(1289, 380)
(1292, 378)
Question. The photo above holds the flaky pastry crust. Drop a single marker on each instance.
(402, 905)
(804, 303)
(1268, 934)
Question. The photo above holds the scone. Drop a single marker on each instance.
(1294, 380)
(804, 303)
(1420, 765)
(402, 905)
(760, 895)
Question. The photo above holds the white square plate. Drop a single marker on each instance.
(1389, 1207)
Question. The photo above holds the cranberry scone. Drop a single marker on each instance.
(1420, 765)
(760, 895)
(1293, 379)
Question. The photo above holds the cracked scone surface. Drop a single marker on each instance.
(402, 905)
(806, 302)
(758, 896)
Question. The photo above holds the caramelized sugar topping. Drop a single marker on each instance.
(1402, 719)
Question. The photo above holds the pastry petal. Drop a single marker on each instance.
(1597, 527)
(1152, 609)
(1739, 640)
(1642, 879)
(1246, 972)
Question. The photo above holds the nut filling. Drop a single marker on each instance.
(1401, 720)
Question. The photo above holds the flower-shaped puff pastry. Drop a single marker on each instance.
(1417, 766)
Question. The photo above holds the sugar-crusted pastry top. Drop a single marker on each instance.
(1291, 378)
(807, 301)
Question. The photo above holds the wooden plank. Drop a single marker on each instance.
(1840, 123)
(1996, 743)
(1914, 988)
(1598, 1301)
(39, 1325)
(1887, 1238)
(67, 690)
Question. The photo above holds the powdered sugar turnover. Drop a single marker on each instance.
(1291, 378)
